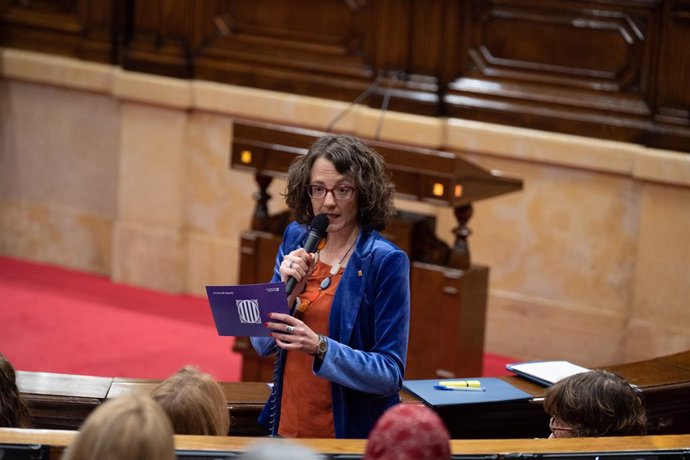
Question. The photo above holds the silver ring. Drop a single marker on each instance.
(289, 329)
(290, 266)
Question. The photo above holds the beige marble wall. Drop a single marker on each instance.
(218, 203)
(58, 174)
(660, 317)
(127, 174)
(562, 254)
(149, 245)
(590, 259)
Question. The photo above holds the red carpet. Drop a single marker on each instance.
(58, 320)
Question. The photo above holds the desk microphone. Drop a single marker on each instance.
(317, 230)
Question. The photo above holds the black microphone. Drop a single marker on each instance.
(317, 230)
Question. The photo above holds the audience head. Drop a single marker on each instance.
(195, 403)
(14, 412)
(408, 432)
(129, 427)
(282, 449)
(594, 403)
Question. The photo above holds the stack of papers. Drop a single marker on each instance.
(546, 372)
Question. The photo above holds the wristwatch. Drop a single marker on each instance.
(321, 348)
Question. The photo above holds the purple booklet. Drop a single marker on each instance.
(241, 311)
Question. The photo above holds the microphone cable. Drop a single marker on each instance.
(356, 101)
(384, 105)
(273, 399)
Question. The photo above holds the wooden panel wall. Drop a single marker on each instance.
(323, 48)
(607, 69)
(614, 69)
(672, 95)
(78, 28)
(158, 37)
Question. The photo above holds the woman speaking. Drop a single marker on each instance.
(343, 352)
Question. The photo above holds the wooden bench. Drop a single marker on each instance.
(631, 448)
(60, 401)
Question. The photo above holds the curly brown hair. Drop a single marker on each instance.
(597, 403)
(354, 160)
(14, 413)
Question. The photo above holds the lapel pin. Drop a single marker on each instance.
(359, 272)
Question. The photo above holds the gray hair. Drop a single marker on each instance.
(279, 450)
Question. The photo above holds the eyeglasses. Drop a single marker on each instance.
(553, 427)
(341, 192)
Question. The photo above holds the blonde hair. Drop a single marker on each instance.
(129, 427)
(195, 403)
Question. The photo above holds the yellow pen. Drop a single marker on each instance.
(461, 383)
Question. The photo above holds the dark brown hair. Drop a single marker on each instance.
(14, 413)
(597, 403)
(194, 402)
(354, 160)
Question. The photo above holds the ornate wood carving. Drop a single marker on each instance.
(79, 28)
(323, 48)
(157, 37)
(614, 69)
(673, 79)
(556, 64)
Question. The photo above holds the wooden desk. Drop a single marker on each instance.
(664, 381)
(665, 384)
(58, 440)
(61, 401)
(245, 401)
(64, 401)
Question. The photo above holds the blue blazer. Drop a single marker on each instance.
(368, 333)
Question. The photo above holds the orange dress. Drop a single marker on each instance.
(306, 408)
